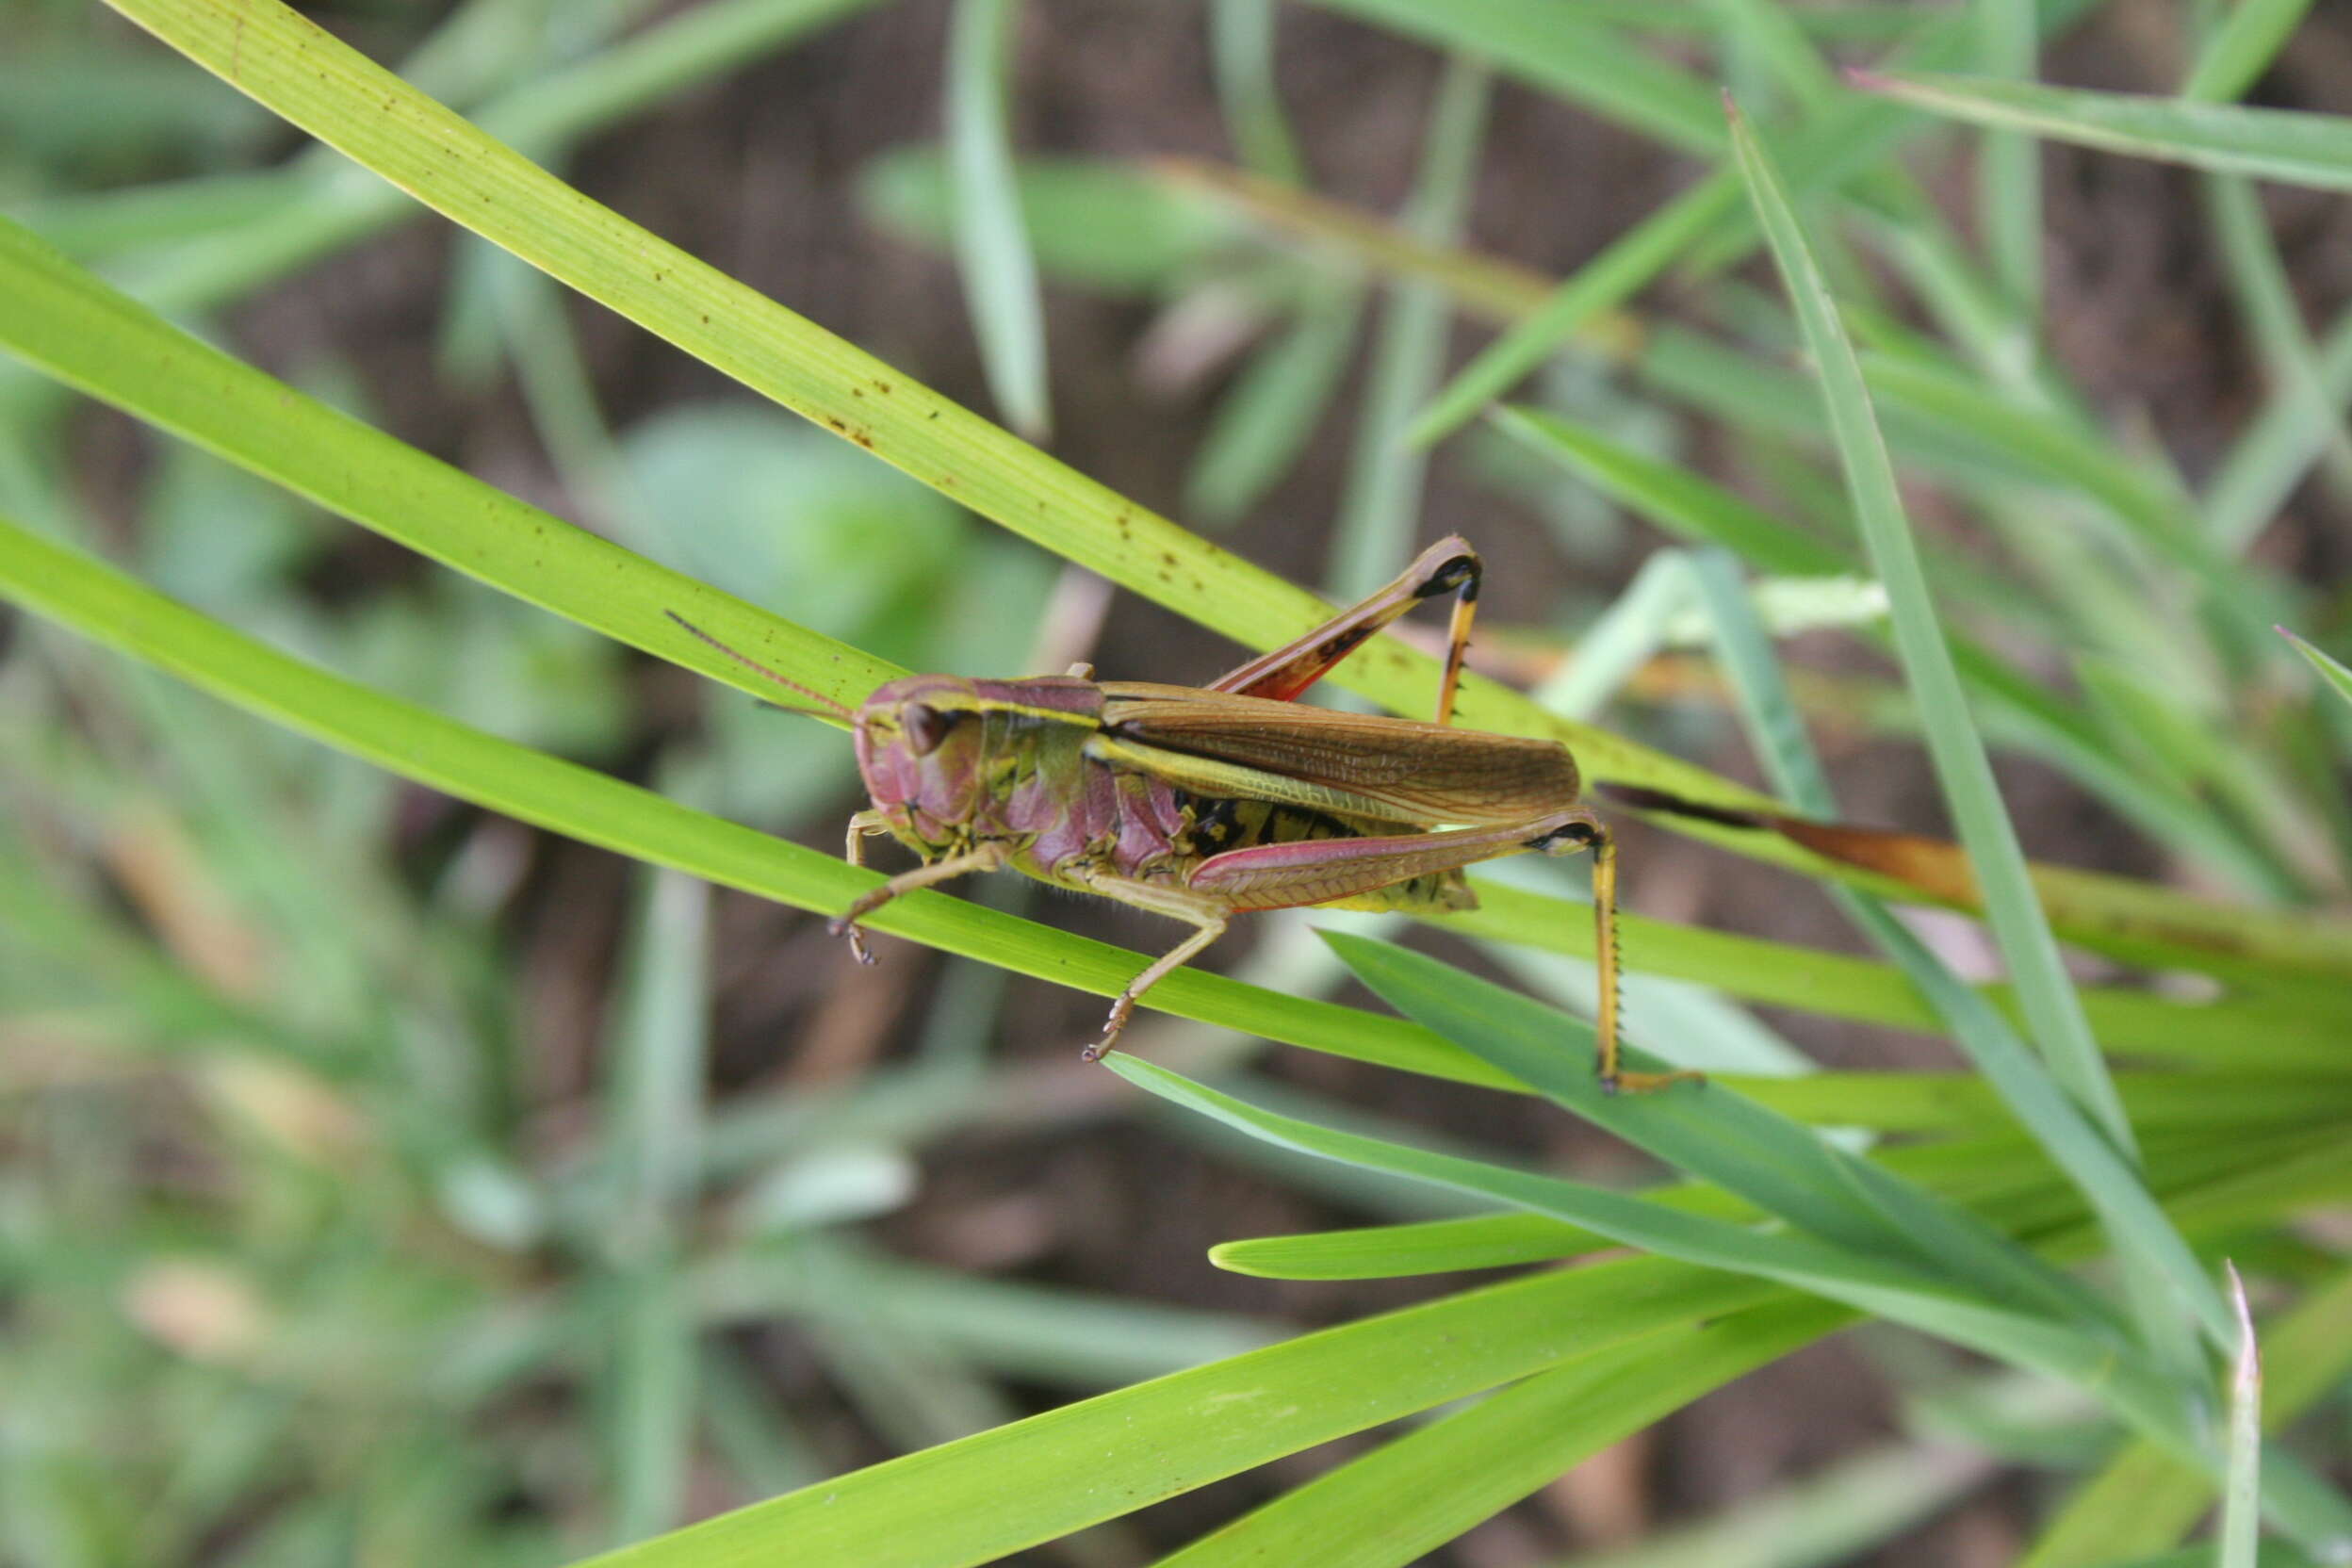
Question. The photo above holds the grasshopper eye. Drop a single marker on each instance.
(925, 728)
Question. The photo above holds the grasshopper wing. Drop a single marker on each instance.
(1391, 770)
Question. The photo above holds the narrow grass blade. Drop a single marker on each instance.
(991, 244)
(2333, 674)
(2009, 168)
(2144, 1500)
(2241, 49)
(1392, 1251)
(1413, 1494)
(2267, 298)
(2240, 1495)
(1673, 498)
(1824, 151)
(1241, 43)
(1381, 503)
(1622, 639)
(660, 1052)
(2045, 991)
(1693, 508)
(2274, 452)
(2114, 1188)
(1268, 416)
(1622, 270)
(2290, 146)
(1559, 51)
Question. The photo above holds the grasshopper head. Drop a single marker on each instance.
(918, 742)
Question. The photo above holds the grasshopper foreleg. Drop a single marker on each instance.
(987, 856)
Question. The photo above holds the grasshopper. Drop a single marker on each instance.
(1200, 802)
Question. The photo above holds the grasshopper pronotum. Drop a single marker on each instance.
(1199, 803)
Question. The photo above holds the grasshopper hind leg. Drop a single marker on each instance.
(1583, 830)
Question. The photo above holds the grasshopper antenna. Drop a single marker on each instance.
(825, 705)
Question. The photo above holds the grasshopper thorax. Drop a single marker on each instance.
(932, 748)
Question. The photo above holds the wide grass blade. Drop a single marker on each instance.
(1418, 1492)
(1000, 271)
(2045, 991)
(2287, 145)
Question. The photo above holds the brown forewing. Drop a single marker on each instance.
(1425, 772)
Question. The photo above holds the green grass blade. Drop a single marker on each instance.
(2270, 458)
(1418, 1492)
(1000, 271)
(1271, 411)
(975, 1500)
(2095, 1361)
(2289, 146)
(2336, 677)
(1717, 1135)
(1241, 44)
(1391, 1251)
(1626, 266)
(660, 1054)
(2143, 1502)
(1826, 151)
(2009, 171)
(2241, 48)
(2241, 1493)
(1381, 503)
(1695, 509)
(1553, 48)
(2164, 1277)
(2115, 1190)
(1673, 498)
(273, 55)
(2045, 991)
